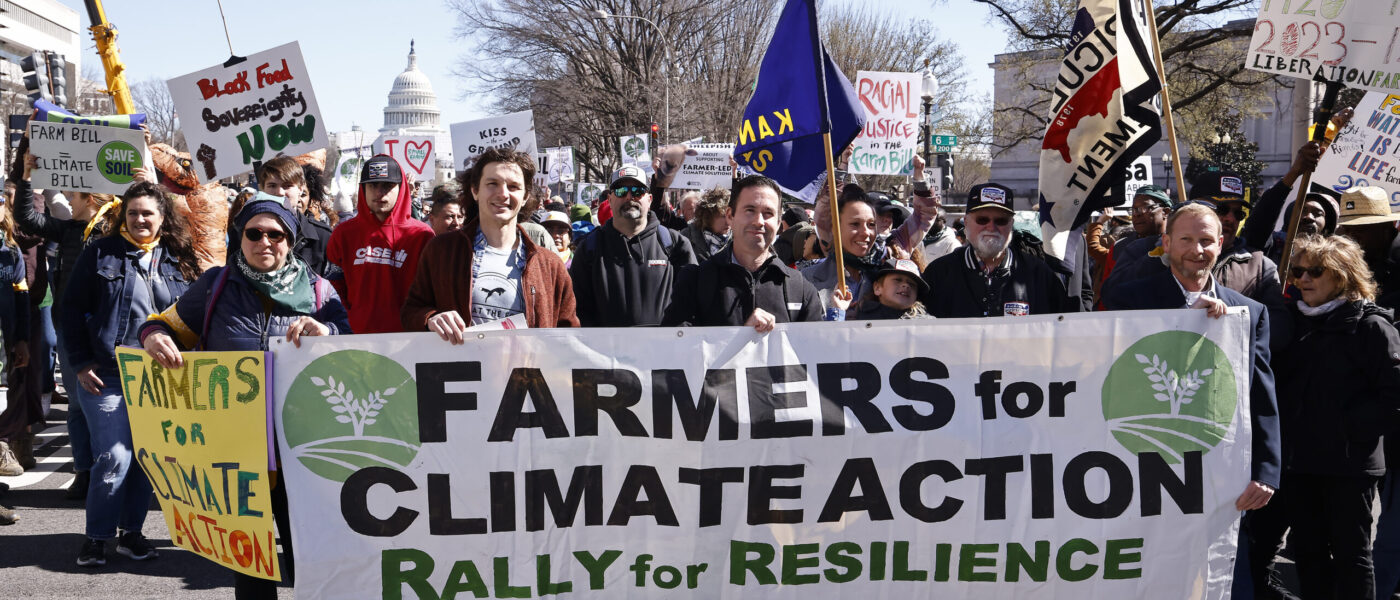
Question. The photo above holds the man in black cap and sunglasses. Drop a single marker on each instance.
(624, 271)
(988, 278)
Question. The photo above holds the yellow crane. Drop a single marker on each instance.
(105, 34)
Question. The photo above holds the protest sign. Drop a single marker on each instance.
(960, 458)
(886, 144)
(471, 138)
(1367, 151)
(586, 193)
(706, 166)
(1355, 42)
(200, 435)
(416, 154)
(86, 158)
(636, 150)
(1139, 174)
(560, 162)
(249, 112)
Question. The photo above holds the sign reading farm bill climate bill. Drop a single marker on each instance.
(251, 111)
(1356, 42)
(86, 158)
(1042, 455)
(471, 138)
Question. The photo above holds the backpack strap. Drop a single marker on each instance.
(667, 241)
(215, 290)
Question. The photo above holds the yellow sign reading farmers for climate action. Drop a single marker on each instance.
(200, 433)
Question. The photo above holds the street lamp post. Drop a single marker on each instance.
(930, 89)
(602, 15)
(1167, 163)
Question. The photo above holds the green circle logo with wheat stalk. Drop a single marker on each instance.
(350, 410)
(1170, 393)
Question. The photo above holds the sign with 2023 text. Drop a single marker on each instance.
(1086, 456)
(249, 112)
(200, 435)
(86, 158)
(1356, 42)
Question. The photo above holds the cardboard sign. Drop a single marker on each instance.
(86, 158)
(417, 154)
(249, 112)
(970, 458)
(1139, 174)
(891, 135)
(636, 150)
(1367, 151)
(200, 434)
(1356, 42)
(706, 166)
(471, 138)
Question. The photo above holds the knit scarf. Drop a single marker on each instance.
(1321, 309)
(289, 286)
(144, 246)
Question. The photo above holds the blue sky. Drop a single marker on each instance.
(354, 48)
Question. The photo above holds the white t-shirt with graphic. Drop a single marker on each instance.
(496, 277)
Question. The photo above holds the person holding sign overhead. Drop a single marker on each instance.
(141, 268)
(266, 291)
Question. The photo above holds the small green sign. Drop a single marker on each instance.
(117, 161)
(950, 141)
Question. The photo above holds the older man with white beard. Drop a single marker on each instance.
(986, 278)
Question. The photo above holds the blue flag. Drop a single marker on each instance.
(800, 94)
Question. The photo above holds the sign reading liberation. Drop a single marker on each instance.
(1356, 42)
(1086, 456)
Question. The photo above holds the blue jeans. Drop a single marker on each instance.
(1386, 551)
(41, 346)
(119, 492)
(79, 438)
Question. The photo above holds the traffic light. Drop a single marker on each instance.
(36, 76)
(58, 78)
(655, 135)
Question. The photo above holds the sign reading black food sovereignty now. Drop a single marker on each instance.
(1091, 457)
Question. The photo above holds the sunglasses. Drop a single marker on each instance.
(1226, 209)
(1314, 272)
(622, 191)
(983, 220)
(256, 235)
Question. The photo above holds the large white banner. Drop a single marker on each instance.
(1092, 456)
(471, 138)
(886, 144)
(1367, 151)
(249, 112)
(1353, 41)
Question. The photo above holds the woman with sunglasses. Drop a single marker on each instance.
(1338, 394)
(139, 269)
(266, 290)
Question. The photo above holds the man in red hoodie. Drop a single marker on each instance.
(377, 251)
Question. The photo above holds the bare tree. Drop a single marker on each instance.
(153, 98)
(590, 81)
(1204, 57)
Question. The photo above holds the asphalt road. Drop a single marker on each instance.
(38, 554)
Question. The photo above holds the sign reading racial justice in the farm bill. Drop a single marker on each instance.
(251, 111)
(1356, 42)
(1087, 456)
(86, 158)
(200, 435)
(886, 144)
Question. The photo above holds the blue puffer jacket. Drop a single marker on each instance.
(97, 302)
(239, 317)
(14, 297)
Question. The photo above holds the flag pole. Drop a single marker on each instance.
(835, 216)
(1319, 134)
(1166, 102)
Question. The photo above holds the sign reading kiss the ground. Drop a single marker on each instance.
(86, 158)
(417, 154)
(1085, 456)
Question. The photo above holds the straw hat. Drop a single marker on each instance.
(1366, 205)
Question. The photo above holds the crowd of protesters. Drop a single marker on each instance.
(1324, 359)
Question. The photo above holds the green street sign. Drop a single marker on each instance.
(943, 149)
(950, 141)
